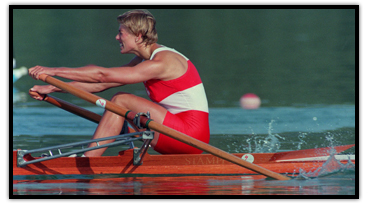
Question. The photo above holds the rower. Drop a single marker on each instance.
(173, 85)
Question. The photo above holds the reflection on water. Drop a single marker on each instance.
(336, 184)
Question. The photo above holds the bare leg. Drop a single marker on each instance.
(111, 123)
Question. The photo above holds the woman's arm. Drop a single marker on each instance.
(134, 72)
(89, 73)
(92, 87)
(89, 87)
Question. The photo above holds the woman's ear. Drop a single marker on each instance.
(138, 38)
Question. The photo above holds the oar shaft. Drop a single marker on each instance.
(91, 116)
(159, 127)
(74, 109)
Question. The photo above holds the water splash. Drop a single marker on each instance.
(269, 144)
(257, 144)
(301, 138)
(330, 139)
(331, 166)
(262, 144)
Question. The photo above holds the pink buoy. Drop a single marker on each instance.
(250, 101)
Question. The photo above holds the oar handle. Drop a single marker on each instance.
(145, 122)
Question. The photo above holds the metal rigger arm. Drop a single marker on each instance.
(123, 139)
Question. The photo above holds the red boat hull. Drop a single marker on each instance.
(202, 164)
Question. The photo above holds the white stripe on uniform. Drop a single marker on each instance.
(177, 102)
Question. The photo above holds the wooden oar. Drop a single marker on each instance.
(91, 116)
(145, 122)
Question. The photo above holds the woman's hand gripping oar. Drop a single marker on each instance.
(145, 122)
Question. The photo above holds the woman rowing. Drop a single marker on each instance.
(171, 80)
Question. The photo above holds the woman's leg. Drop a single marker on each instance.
(111, 123)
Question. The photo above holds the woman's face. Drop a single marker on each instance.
(126, 39)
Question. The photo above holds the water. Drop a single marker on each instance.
(293, 127)
(268, 129)
(337, 184)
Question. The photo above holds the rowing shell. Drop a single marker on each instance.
(289, 162)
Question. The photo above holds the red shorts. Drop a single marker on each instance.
(191, 123)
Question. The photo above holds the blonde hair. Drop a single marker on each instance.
(140, 22)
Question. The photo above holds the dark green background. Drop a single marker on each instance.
(286, 56)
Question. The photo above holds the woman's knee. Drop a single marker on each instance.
(120, 98)
(139, 104)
